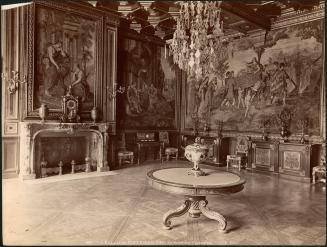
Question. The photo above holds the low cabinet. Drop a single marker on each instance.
(290, 160)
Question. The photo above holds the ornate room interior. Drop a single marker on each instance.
(114, 111)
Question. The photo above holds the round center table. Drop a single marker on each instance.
(195, 189)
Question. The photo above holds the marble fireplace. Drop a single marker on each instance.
(55, 142)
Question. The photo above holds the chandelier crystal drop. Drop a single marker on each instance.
(197, 42)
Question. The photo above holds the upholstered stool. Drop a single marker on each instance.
(125, 156)
(171, 152)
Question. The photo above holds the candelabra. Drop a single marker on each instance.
(13, 83)
(302, 124)
(113, 93)
(264, 124)
(219, 124)
(283, 119)
(196, 121)
(217, 142)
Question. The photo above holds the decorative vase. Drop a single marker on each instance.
(94, 114)
(43, 112)
(196, 153)
(302, 140)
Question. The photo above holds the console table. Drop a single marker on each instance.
(195, 189)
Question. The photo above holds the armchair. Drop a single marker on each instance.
(123, 154)
(168, 151)
(241, 154)
(320, 170)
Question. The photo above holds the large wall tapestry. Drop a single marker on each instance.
(150, 82)
(65, 58)
(260, 78)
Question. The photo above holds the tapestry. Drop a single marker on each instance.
(260, 78)
(65, 58)
(149, 78)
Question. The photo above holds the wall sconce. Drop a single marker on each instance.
(13, 83)
(113, 93)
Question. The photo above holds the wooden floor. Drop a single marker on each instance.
(123, 209)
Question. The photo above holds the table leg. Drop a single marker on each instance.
(138, 154)
(222, 223)
(160, 153)
(119, 161)
(175, 213)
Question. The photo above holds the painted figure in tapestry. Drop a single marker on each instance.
(284, 72)
(79, 84)
(65, 58)
(58, 69)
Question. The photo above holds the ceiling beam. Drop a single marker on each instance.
(243, 11)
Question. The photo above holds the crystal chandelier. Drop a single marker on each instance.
(197, 45)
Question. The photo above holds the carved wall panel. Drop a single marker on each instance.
(10, 155)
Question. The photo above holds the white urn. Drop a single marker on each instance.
(196, 153)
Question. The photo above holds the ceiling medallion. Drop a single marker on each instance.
(198, 44)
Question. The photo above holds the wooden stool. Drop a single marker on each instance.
(125, 156)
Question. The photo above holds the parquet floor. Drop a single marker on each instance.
(122, 209)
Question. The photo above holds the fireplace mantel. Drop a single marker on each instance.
(30, 131)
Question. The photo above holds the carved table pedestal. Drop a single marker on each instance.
(195, 189)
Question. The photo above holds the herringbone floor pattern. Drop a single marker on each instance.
(122, 209)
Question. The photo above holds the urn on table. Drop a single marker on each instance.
(43, 111)
(196, 153)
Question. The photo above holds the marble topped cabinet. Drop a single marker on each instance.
(264, 156)
(296, 160)
(289, 159)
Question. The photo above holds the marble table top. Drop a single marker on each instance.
(178, 180)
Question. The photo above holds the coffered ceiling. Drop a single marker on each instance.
(239, 17)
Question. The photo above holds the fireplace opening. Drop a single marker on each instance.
(59, 153)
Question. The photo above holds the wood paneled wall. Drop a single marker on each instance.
(13, 44)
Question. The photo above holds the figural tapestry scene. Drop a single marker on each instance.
(259, 78)
(65, 57)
